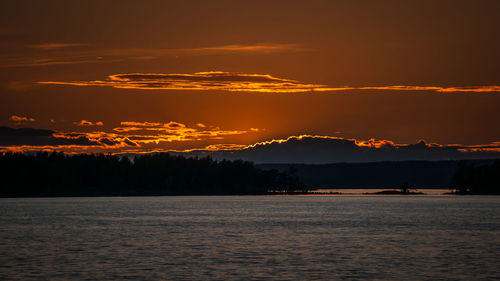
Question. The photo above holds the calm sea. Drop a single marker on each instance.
(251, 237)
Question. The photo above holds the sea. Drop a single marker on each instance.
(318, 237)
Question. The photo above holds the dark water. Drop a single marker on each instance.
(247, 237)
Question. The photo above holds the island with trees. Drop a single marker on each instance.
(57, 174)
(404, 189)
(476, 179)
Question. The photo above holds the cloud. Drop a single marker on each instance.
(103, 139)
(326, 149)
(45, 61)
(29, 136)
(141, 124)
(55, 46)
(131, 135)
(149, 137)
(245, 48)
(20, 119)
(77, 53)
(88, 123)
(471, 89)
(241, 82)
(213, 80)
(152, 53)
(475, 89)
(156, 132)
(29, 139)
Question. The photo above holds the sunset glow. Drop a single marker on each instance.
(249, 140)
(232, 76)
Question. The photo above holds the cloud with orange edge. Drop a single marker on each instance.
(145, 135)
(156, 132)
(471, 89)
(212, 80)
(21, 119)
(314, 149)
(88, 123)
(241, 82)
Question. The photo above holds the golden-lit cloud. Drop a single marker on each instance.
(401, 88)
(152, 137)
(472, 89)
(21, 119)
(68, 149)
(241, 82)
(212, 80)
(140, 124)
(225, 146)
(156, 132)
(130, 136)
(475, 89)
(88, 123)
(54, 139)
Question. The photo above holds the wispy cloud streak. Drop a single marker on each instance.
(55, 46)
(472, 89)
(48, 61)
(48, 54)
(245, 48)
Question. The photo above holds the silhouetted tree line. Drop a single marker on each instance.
(58, 174)
(473, 179)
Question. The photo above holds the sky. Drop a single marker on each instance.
(148, 76)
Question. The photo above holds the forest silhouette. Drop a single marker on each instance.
(58, 174)
(476, 179)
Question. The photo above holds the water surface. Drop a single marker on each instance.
(251, 237)
(359, 191)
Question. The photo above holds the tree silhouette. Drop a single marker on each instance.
(58, 174)
(405, 188)
(470, 179)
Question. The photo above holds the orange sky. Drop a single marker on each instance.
(242, 72)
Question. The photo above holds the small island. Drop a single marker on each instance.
(405, 189)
